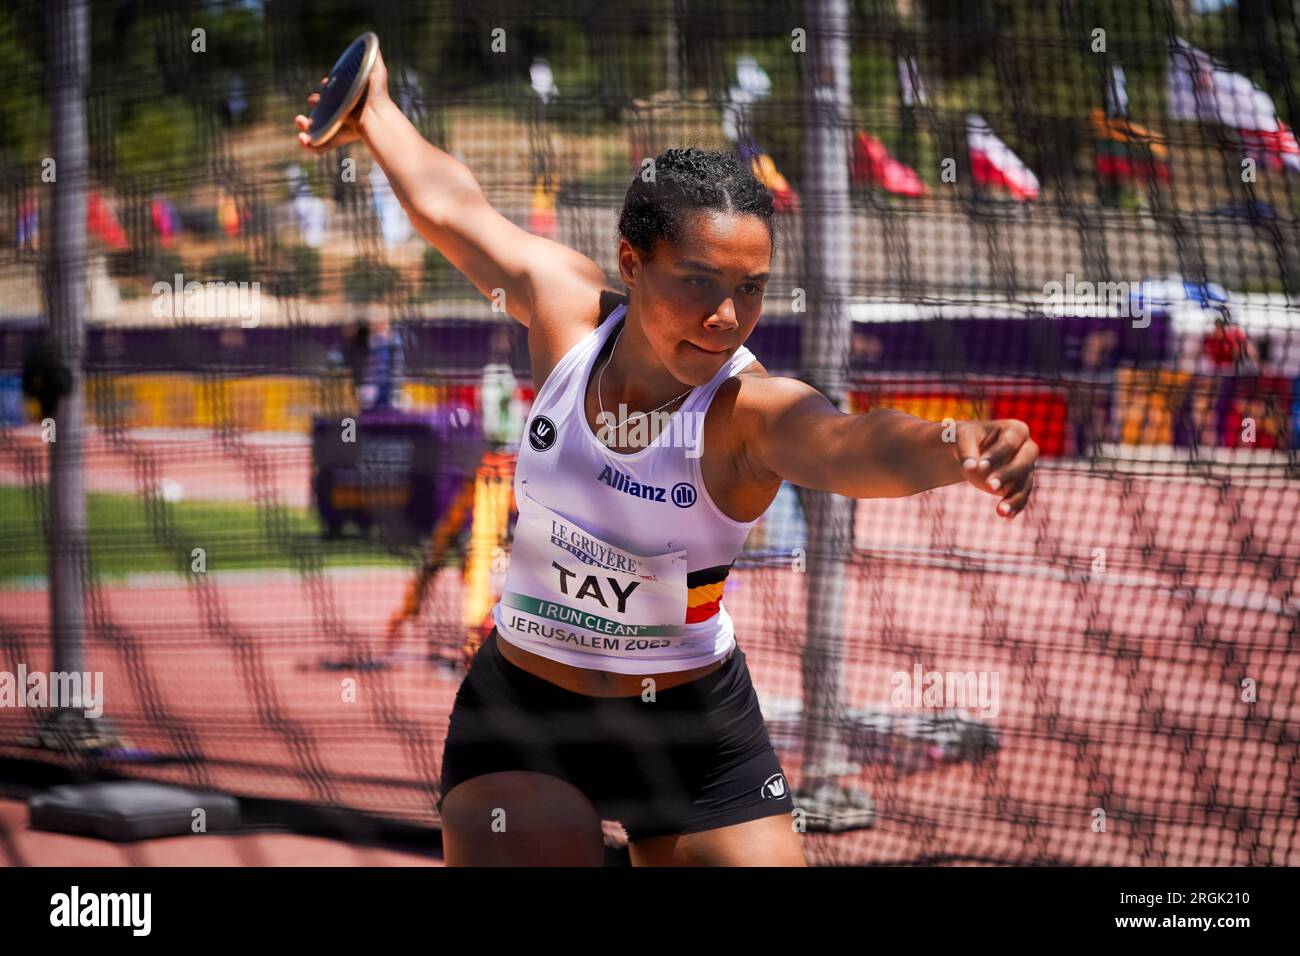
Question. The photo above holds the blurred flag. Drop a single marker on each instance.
(994, 164)
(765, 171)
(873, 164)
(541, 209)
(1200, 88)
(1126, 150)
(910, 83)
(166, 221)
(393, 221)
(101, 222)
(1277, 149)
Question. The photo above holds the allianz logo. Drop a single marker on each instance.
(683, 493)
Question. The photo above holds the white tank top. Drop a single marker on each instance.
(618, 561)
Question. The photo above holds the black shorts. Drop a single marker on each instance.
(695, 758)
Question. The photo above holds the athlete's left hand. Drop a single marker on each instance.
(998, 457)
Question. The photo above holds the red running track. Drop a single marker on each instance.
(1120, 690)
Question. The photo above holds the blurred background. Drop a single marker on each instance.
(1081, 214)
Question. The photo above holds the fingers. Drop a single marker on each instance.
(982, 450)
(999, 456)
(304, 139)
(1015, 480)
(994, 463)
(1008, 438)
(1014, 503)
(303, 122)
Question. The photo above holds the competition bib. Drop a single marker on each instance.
(568, 586)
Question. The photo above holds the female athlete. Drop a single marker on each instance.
(612, 686)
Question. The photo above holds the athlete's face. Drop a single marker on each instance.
(700, 298)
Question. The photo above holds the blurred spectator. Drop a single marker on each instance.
(865, 349)
(541, 208)
(1098, 347)
(228, 213)
(752, 85)
(410, 95)
(1229, 347)
(308, 209)
(394, 223)
(102, 223)
(28, 223)
(374, 357)
(236, 105)
(543, 80)
(503, 411)
(166, 220)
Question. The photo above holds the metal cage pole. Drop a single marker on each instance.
(64, 279)
(828, 260)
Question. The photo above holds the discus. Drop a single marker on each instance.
(344, 89)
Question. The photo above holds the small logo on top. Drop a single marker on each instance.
(541, 433)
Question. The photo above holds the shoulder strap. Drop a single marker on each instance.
(609, 301)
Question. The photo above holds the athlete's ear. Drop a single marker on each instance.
(629, 263)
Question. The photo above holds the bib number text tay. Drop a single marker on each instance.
(570, 586)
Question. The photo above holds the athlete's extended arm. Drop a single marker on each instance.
(448, 207)
(791, 431)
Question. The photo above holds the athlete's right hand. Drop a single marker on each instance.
(354, 126)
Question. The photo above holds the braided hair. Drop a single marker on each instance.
(687, 182)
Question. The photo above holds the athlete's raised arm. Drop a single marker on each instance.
(789, 430)
(448, 208)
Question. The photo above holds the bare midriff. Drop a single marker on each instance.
(593, 683)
